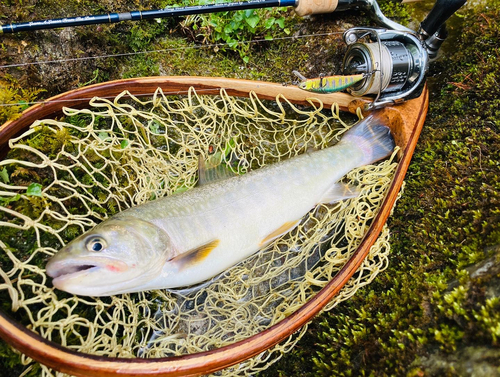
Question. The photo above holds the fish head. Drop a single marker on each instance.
(117, 256)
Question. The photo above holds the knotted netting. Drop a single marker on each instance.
(64, 176)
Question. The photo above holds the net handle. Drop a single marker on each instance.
(406, 123)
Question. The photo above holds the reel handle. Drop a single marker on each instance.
(440, 12)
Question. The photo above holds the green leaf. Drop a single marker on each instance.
(249, 13)
(253, 21)
(238, 16)
(281, 22)
(228, 29)
(269, 22)
(103, 135)
(154, 127)
(180, 189)
(232, 43)
(230, 145)
(286, 30)
(268, 37)
(4, 175)
(24, 105)
(235, 25)
(34, 189)
(246, 59)
(124, 143)
(6, 201)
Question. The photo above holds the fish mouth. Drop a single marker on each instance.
(71, 275)
(62, 271)
(59, 271)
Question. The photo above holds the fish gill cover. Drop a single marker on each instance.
(62, 177)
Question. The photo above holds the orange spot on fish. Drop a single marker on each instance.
(113, 268)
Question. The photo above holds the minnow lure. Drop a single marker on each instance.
(328, 84)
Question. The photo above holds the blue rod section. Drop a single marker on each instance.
(142, 15)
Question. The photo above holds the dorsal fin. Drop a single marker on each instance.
(213, 170)
(195, 255)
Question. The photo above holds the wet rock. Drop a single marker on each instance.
(488, 272)
(469, 361)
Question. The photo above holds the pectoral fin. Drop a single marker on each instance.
(195, 255)
(285, 228)
(340, 191)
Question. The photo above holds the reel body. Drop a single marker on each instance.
(394, 64)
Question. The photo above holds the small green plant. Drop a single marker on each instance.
(236, 28)
(15, 100)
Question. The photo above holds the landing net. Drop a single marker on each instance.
(63, 177)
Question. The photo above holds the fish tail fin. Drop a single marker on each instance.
(372, 137)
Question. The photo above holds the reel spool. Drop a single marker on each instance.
(394, 62)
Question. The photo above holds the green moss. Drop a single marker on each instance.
(10, 361)
(398, 12)
(15, 99)
(430, 301)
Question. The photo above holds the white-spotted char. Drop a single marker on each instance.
(187, 238)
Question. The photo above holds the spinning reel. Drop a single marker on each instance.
(394, 60)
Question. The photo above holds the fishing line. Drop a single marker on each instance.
(213, 45)
(148, 94)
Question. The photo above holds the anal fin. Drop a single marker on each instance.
(195, 255)
(285, 228)
(338, 192)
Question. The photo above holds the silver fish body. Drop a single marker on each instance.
(184, 239)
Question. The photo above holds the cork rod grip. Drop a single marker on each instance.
(308, 7)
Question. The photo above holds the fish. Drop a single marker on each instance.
(188, 238)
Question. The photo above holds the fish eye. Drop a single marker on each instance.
(96, 244)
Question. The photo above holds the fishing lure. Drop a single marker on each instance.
(328, 84)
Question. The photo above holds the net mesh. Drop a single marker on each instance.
(62, 177)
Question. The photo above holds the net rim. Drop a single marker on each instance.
(411, 115)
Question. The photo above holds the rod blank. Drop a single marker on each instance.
(142, 15)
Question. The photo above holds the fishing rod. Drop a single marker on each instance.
(301, 7)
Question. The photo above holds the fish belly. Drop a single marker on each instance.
(243, 214)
